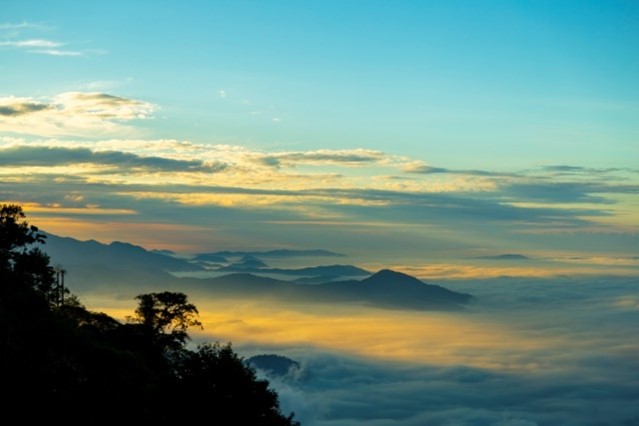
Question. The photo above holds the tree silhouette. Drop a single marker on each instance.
(218, 380)
(20, 261)
(165, 317)
(79, 367)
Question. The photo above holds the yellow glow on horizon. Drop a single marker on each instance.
(88, 210)
(148, 235)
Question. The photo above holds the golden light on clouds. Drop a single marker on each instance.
(72, 113)
(421, 337)
(429, 338)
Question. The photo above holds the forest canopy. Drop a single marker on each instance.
(82, 367)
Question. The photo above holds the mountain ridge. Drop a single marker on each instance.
(125, 267)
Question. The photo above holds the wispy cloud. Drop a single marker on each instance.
(57, 52)
(30, 43)
(24, 25)
(19, 36)
(43, 47)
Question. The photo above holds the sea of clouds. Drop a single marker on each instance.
(570, 357)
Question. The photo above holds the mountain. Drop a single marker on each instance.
(210, 258)
(246, 263)
(69, 251)
(387, 284)
(166, 252)
(329, 272)
(385, 289)
(273, 365)
(391, 289)
(125, 270)
(284, 253)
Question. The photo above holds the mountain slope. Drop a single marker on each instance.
(386, 289)
(127, 269)
(71, 252)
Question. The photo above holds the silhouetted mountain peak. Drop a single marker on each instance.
(250, 261)
(405, 290)
(388, 276)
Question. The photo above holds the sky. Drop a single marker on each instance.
(414, 135)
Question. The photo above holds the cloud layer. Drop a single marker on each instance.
(71, 113)
(528, 352)
(69, 158)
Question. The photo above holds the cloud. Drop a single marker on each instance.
(57, 52)
(24, 25)
(54, 156)
(71, 113)
(566, 169)
(344, 197)
(41, 46)
(14, 39)
(352, 157)
(419, 167)
(566, 192)
(530, 352)
(104, 105)
(31, 43)
(21, 108)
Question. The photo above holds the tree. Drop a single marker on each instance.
(71, 363)
(165, 317)
(15, 232)
(21, 263)
(216, 379)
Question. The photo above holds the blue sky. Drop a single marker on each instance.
(393, 131)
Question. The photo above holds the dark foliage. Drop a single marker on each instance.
(62, 363)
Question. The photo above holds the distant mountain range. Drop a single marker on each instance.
(69, 252)
(126, 268)
(284, 253)
(327, 272)
(386, 289)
